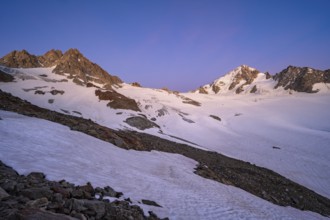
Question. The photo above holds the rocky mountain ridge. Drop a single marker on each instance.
(245, 79)
(72, 64)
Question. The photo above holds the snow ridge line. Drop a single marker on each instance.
(258, 181)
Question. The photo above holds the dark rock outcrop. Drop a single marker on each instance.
(117, 100)
(301, 79)
(268, 76)
(215, 117)
(35, 197)
(254, 89)
(5, 77)
(202, 90)
(247, 74)
(215, 88)
(136, 84)
(141, 123)
(149, 202)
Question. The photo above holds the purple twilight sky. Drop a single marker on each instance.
(179, 44)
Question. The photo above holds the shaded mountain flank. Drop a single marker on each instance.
(258, 181)
(71, 64)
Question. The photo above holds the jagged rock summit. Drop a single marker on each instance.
(72, 64)
(245, 79)
(237, 81)
(301, 79)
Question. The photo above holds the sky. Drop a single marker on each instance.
(178, 44)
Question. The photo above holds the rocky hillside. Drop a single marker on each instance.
(301, 79)
(71, 64)
(245, 79)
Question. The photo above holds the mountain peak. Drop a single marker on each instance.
(234, 80)
(21, 58)
(72, 63)
(73, 52)
(82, 70)
(50, 58)
(245, 67)
(301, 79)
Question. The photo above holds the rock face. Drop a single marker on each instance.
(117, 100)
(82, 71)
(72, 64)
(247, 74)
(301, 79)
(35, 197)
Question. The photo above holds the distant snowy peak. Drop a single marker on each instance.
(71, 64)
(245, 80)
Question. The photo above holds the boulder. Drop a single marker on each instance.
(140, 123)
(36, 193)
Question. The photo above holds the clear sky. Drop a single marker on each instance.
(179, 44)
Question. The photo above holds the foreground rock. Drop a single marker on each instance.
(35, 197)
(258, 181)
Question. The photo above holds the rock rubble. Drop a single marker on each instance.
(35, 197)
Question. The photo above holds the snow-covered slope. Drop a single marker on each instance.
(162, 177)
(287, 133)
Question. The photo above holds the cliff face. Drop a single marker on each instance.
(72, 64)
(301, 79)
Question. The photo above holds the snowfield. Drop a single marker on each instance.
(287, 133)
(30, 144)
